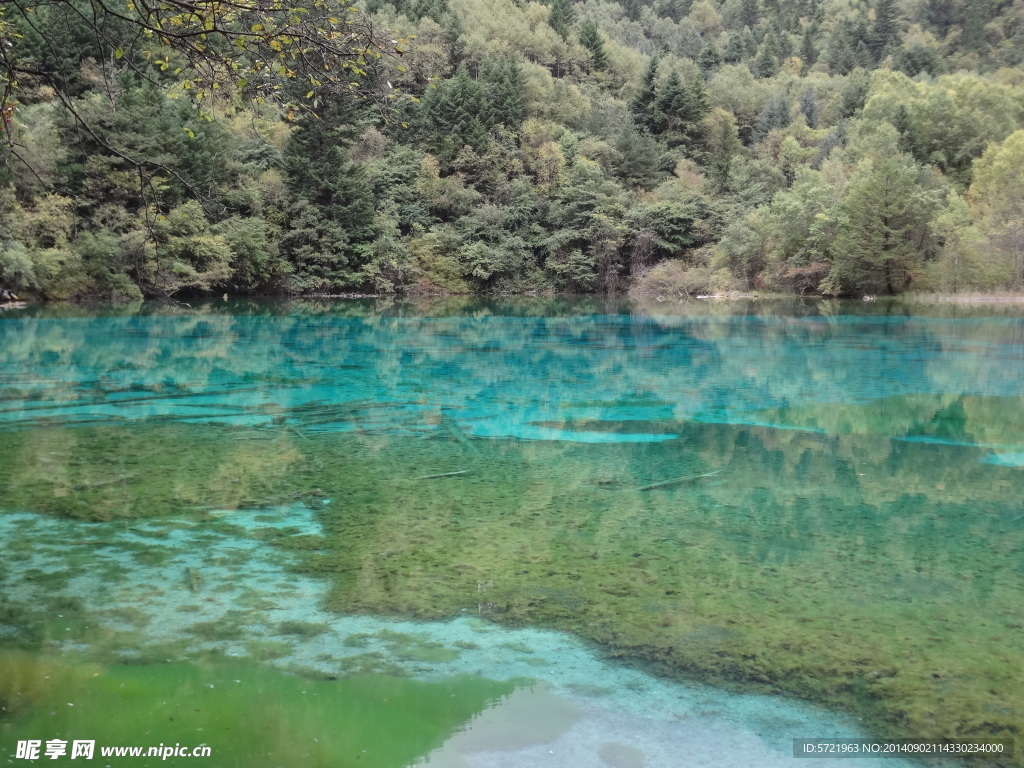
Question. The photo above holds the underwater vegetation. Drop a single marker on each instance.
(880, 576)
(255, 715)
(803, 501)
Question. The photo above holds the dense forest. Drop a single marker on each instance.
(679, 147)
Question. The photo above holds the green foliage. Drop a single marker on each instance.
(815, 146)
(591, 39)
(883, 222)
(998, 198)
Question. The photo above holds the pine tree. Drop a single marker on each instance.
(910, 138)
(632, 9)
(643, 104)
(672, 9)
(774, 117)
(808, 52)
(862, 55)
(749, 43)
(455, 111)
(452, 38)
(591, 39)
(767, 62)
(940, 15)
(885, 29)
(735, 51)
(561, 17)
(672, 106)
(976, 16)
(332, 228)
(876, 247)
(709, 59)
(809, 107)
(700, 98)
(504, 88)
(750, 14)
(841, 59)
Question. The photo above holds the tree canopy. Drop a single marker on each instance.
(183, 146)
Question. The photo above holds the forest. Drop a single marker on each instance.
(673, 147)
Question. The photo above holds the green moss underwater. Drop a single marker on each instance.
(249, 714)
(877, 575)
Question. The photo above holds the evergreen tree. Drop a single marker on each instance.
(877, 244)
(749, 14)
(976, 16)
(785, 43)
(885, 30)
(841, 60)
(862, 55)
(453, 39)
(735, 51)
(808, 52)
(331, 227)
(775, 116)
(750, 46)
(561, 17)
(710, 59)
(809, 107)
(910, 137)
(672, 9)
(456, 113)
(767, 62)
(672, 106)
(940, 15)
(504, 87)
(632, 9)
(591, 39)
(643, 104)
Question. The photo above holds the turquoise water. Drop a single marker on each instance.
(647, 522)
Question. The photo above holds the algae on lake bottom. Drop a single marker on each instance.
(250, 715)
(880, 576)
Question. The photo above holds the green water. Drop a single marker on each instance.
(247, 714)
(806, 500)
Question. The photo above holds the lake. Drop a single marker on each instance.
(546, 532)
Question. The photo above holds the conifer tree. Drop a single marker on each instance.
(643, 104)
(452, 38)
(750, 13)
(862, 55)
(877, 248)
(767, 62)
(940, 15)
(841, 59)
(561, 17)
(735, 51)
(885, 29)
(976, 16)
(672, 105)
(504, 88)
(709, 59)
(808, 52)
(910, 138)
(775, 116)
(632, 9)
(591, 39)
(672, 9)
(809, 107)
(749, 43)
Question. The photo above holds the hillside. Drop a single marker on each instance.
(805, 146)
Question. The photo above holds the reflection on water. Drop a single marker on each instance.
(803, 501)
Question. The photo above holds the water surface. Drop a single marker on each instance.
(819, 501)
